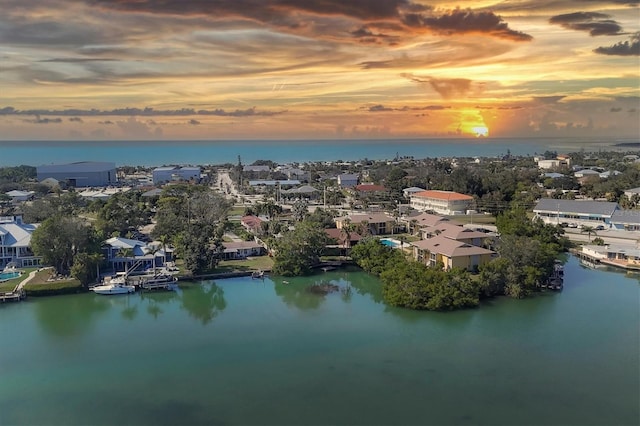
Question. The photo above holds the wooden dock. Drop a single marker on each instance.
(14, 296)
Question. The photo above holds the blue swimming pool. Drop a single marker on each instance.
(389, 242)
(8, 275)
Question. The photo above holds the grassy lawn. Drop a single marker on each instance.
(476, 219)
(9, 285)
(253, 264)
(39, 286)
(236, 211)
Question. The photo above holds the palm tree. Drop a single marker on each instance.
(126, 253)
(345, 232)
(413, 224)
(588, 230)
(164, 240)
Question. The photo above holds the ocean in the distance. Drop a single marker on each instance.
(157, 153)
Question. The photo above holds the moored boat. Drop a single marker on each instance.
(113, 288)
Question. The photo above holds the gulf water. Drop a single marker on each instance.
(263, 352)
(158, 153)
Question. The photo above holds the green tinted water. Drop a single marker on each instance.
(244, 351)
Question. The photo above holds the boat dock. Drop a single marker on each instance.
(13, 296)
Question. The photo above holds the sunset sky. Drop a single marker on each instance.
(292, 69)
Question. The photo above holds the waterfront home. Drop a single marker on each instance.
(441, 202)
(339, 237)
(451, 253)
(625, 256)
(242, 250)
(454, 232)
(376, 223)
(124, 254)
(348, 180)
(15, 240)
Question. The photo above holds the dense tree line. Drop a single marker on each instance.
(299, 249)
(528, 251)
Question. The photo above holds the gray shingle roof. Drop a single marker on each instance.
(576, 206)
(626, 217)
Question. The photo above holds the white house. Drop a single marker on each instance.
(18, 196)
(242, 249)
(15, 242)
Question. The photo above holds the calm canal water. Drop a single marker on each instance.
(253, 352)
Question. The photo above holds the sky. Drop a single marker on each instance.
(318, 69)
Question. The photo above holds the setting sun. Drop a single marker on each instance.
(480, 131)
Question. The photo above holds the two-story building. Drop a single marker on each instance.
(451, 253)
(376, 223)
(15, 242)
(441, 202)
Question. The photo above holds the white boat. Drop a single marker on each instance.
(113, 288)
(115, 285)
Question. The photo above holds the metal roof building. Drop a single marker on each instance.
(80, 174)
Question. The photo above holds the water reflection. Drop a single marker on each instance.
(67, 316)
(204, 301)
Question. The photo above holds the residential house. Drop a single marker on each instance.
(340, 237)
(441, 202)
(347, 180)
(252, 224)
(15, 242)
(451, 253)
(305, 191)
(454, 232)
(629, 193)
(621, 255)
(407, 192)
(376, 223)
(20, 196)
(242, 249)
(124, 254)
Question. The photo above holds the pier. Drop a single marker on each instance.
(13, 296)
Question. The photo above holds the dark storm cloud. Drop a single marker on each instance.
(463, 21)
(624, 48)
(596, 24)
(145, 112)
(291, 15)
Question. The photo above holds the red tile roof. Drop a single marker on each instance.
(443, 195)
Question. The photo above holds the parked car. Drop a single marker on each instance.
(600, 228)
(573, 225)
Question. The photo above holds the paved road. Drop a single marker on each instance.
(609, 237)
